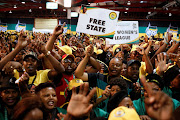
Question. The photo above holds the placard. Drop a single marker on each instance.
(97, 21)
(127, 32)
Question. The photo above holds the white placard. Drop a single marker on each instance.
(98, 21)
(127, 32)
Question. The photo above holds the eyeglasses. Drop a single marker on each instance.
(68, 61)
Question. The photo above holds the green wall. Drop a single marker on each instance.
(12, 27)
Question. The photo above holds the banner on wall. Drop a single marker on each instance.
(151, 30)
(3, 27)
(127, 32)
(20, 26)
(97, 21)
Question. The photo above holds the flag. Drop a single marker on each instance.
(20, 26)
(151, 30)
(172, 29)
(3, 27)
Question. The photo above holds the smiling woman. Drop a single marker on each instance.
(47, 94)
(9, 97)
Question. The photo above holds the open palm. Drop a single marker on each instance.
(79, 104)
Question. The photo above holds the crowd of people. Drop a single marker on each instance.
(67, 77)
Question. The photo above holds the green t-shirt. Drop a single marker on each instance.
(140, 106)
(100, 113)
(61, 110)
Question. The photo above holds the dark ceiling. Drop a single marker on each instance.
(129, 9)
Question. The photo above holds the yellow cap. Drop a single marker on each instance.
(134, 48)
(99, 51)
(66, 49)
(123, 113)
(74, 83)
(115, 46)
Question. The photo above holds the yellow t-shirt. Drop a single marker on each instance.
(42, 77)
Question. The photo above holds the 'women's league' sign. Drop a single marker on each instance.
(127, 32)
(97, 21)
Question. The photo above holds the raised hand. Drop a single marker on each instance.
(106, 92)
(146, 38)
(58, 29)
(137, 87)
(167, 38)
(174, 57)
(22, 42)
(120, 55)
(161, 63)
(90, 50)
(41, 47)
(24, 77)
(79, 104)
(60, 116)
(140, 50)
(151, 42)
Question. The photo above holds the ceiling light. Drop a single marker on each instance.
(30, 10)
(128, 3)
(141, 1)
(127, 8)
(64, 9)
(74, 14)
(10, 11)
(149, 12)
(40, 7)
(67, 3)
(15, 6)
(170, 14)
(125, 12)
(23, 2)
(154, 7)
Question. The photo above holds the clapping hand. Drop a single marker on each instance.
(22, 42)
(90, 50)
